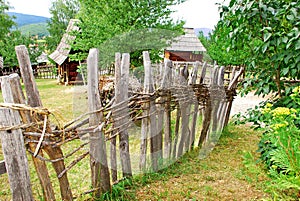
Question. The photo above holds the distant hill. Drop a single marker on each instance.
(205, 31)
(39, 29)
(25, 19)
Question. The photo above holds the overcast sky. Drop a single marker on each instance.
(196, 13)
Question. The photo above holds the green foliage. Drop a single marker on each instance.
(279, 144)
(62, 11)
(15, 38)
(6, 22)
(263, 35)
(125, 26)
(9, 39)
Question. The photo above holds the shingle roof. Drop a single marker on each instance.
(188, 42)
(63, 49)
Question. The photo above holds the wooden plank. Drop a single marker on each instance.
(165, 85)
(205, 122)
(13, 148)
(54, 153)
(113, 141)
(98, 156)
(121, 95)
(176, 133)
(155, 138)
(185, 108)
(196, 106)
(2, 167)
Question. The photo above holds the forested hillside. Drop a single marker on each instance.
(31, 25)
(25, 19)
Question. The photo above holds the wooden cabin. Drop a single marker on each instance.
(185, 48)
(67, 69)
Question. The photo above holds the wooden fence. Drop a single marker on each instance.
(45, 72)
(170, 105)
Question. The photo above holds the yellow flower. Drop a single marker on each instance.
(296, 89)
(278, 126)
(266, 110)
(269, 105)
(281, 112)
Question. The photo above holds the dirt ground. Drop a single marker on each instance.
(241, 104)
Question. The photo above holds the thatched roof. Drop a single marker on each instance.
(188, 42)
(63, 49)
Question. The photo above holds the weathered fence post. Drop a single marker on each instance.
(165, 86)
(232, 85)
(40, 166)
(196, 106)
(155, 138)
(13, 147)
(185, 95)
(113, 141)
(121, 95)
(98, 156)
(53, 152)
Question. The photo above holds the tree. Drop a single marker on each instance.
(266, 35)
(61, 12)
(125, 24)
(9, 38)
(6, 22)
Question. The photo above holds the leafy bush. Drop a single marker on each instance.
(280, 142)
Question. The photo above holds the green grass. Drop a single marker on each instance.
(230, 172)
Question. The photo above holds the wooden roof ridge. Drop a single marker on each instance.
(189, 42)
(64, 47)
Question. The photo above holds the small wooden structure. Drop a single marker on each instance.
(67, 69)
(185, 48)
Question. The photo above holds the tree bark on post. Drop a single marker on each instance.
(13, 147)
(34, 100)
(121, 95)
(98, 156)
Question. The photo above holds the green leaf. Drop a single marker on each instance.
(265, 47)
(267, 36)
(285, 71)
(285, 39)
(290, 17)
(297, 46)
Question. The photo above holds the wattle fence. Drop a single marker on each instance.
(143, 128)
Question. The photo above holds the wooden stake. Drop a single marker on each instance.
(13, 148)
(34, 100)
(98, 156)
(121, 96)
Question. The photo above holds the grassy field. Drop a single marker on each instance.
(229, 173)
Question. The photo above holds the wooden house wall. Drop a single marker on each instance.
(183, 56)
(68, 71)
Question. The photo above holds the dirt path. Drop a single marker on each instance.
(241, 104)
